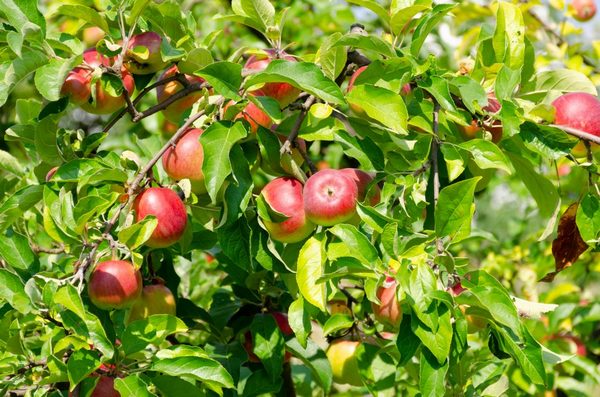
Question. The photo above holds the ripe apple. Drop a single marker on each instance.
(114, 284)
(92, 35)
(584, 9)
(362, 180)
(330, 197)
(344, 364)
(283, 93)
(104, 388)
(253, 115)
(168, 209)
(283, 324)
(494, 127)
(581, 111)
(175, 111)
(389, 311)
(284, 195)
(155, 299)
(78, 85)
(143, 54)
(185, 160)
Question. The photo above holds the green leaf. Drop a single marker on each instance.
(268, 344)
(16, 205)
(137, 234)
(15, 250)
(23, 15)
(403, 13)
(337, 322)
(12, 291)
(432, 375)
(332, 58)
(427, 24)
(370, 43)
(85, 13)
(315, 359)
(437, 341)
(49, 78)
(550, 142)
(588, 218)
(310, 268)
(171, 386)
(303, 75)
(224, 77)
(373, 6)
(354, 244)
(407, 342)
(381, 104)
(19, 69)
(81, 364)
(487, 155)
(261, 12)
(239, 191)
(455, 161)
(509, 37)
(189, 364)
(559, 80)
(439, 88)
(132, 386)
(454, 210)
(150, 331)
(472, 93)
(299, 320)
(217, 141)
(543, 191)
(9, 163)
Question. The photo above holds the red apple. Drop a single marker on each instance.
(253, 115)
(283, 93)
(104, 388)
(584, 9)
(344, 363)
(168, 209)
(175, 111)
(283, 324)
(51, 173)
(155, 299)
(114, 284)
(185, 160)
(143, 54)
(78, 85)
(362, 180)
(581, 111)
(389, 311)
(330, 197)
(284, 195)
(357, 109)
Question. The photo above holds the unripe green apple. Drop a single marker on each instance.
(155, 299)
(344, 363)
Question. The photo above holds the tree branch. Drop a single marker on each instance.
(291, 139)
(578, 133)
(164, 104)
(344, 119)
(434, 162)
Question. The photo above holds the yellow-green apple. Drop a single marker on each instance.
(389, 311)
(584, 10)
(143, 54)
(581, 111)
(185, 160)
(114, 284)
(92, 35)
(78, 85)
(344, 363)
(175, 111)
(284, 93)
(284, 196)
(168, 209)
(330, 197)
(155, 299)
(283, 324)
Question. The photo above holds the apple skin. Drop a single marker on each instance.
(283, 324)
(155, 299)
(581, 111)
(330, 197)
(362, 180)
(284, 93)
(344, 364)
(253, 115)
(51, 173)
(92, 35)
(168, 209)
(78, 85)
(175, 111)
(284, 195)
(584, 9)
(104, 388)
(389, 311)
(114, 284)
(153, 63)
(185, 160)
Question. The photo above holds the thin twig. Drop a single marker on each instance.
(164, 104)
(291, 139)
(578, 133)
(37, 249)
(344, 119)
(436, 172)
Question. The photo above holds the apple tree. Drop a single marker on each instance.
(281, 198)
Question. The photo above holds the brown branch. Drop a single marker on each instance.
(164, 104)
(344, 120)
(586, 136)
(288, 383)
(37, 249)
(434, 162)
(291, 139)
